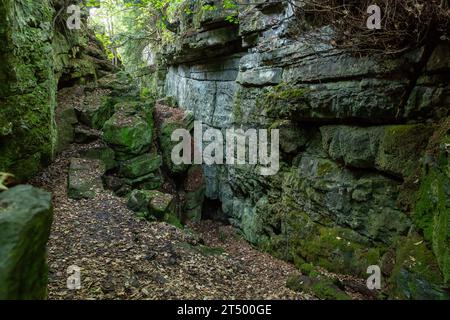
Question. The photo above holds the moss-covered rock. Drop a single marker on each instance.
(167, 145)
(283, 100)
(105, 154)
(416, 274)
(401, 148)
(28, 87)
(140, 165)
(358, 200)
(25, 220)
(85, 178)
(432, 209)
(392, 149)
(150, 181)
(335, 248)
(138, 200)
(321, 287)
(129, 133)
(95, 109)
(154, 204)
(161, 205)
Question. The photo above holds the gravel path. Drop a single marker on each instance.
(122, 257)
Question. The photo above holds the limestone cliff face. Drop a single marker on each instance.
(354, 131)
(38, 54)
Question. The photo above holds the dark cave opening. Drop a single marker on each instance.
(212, 210)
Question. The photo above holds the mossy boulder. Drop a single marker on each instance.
(85, 178)
(129, 133)
(321, 287)
(25, 221)
(167, 145)
(140, 165)
(95, 109)
(150, 181)
(170, 119)
(416, 274)
(138, 200)
(105, 154)
(153, 204)
(161, 205)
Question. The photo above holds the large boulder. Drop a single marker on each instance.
(140, 165)
(129, 132)
(84, 134)
(138, 200)
(25, 220)
(105, 154)
(85, 178)
(95, 109)
(150, 181)
(170, 119)
(153, 204)
(162, 205)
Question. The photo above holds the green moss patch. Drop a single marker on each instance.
(321, 287)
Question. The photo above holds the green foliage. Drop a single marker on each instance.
(130, 29)
(93, 3)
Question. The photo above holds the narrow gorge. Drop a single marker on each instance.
(88, 182)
